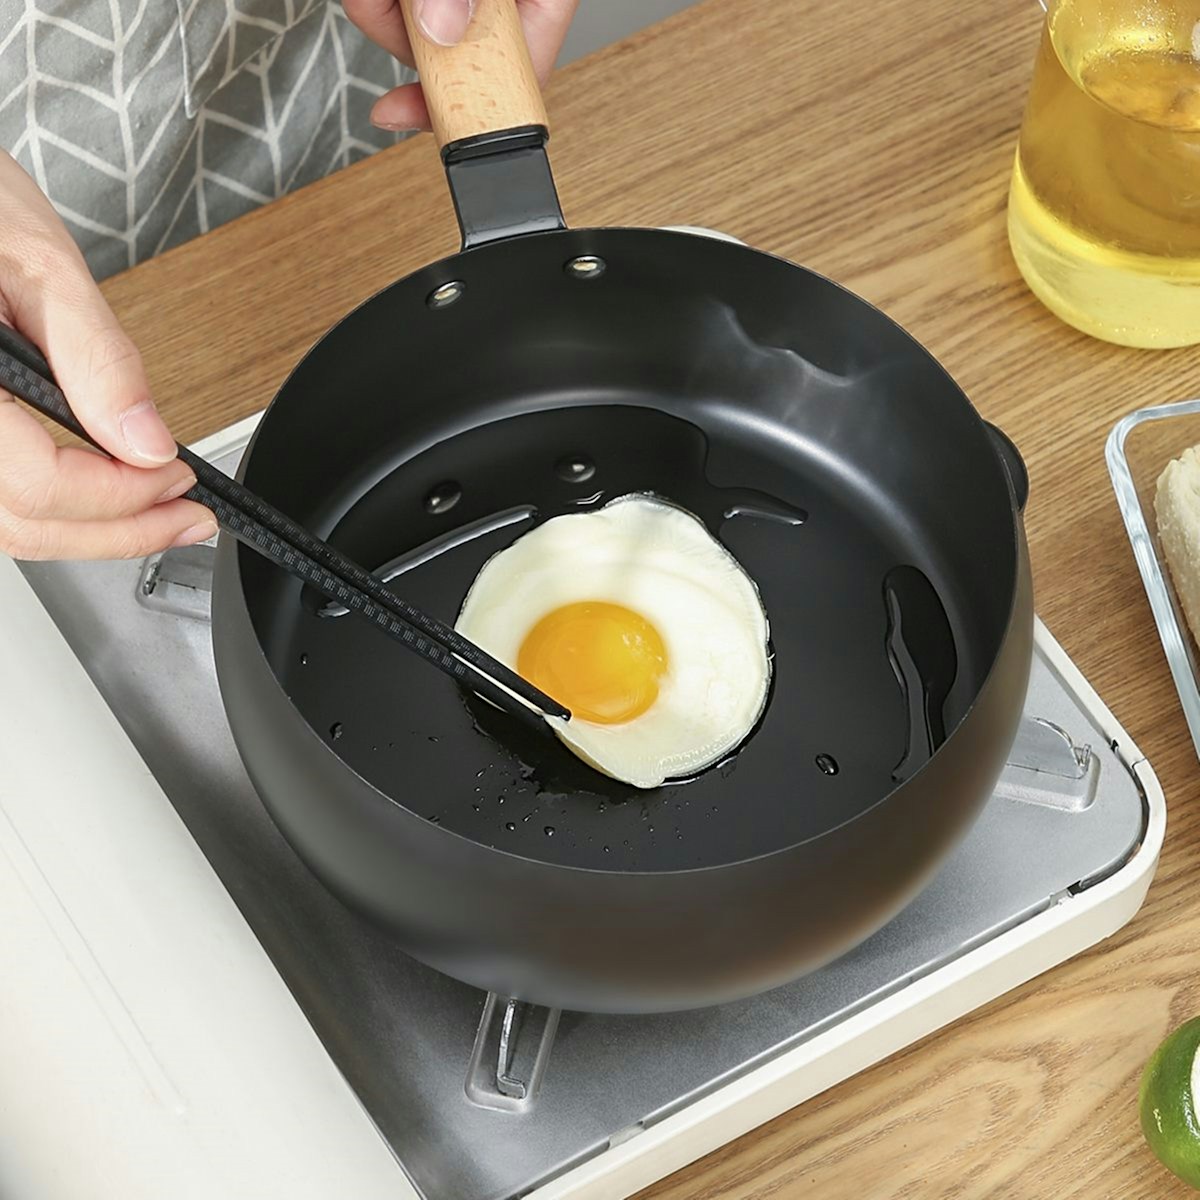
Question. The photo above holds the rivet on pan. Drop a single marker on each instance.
(444, 296)
(586, 266)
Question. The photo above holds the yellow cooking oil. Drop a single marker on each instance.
(1104, 211)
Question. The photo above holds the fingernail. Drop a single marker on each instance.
(392, 126)
(177, 489)
(146, 435)
(197, 533)
(444, 21)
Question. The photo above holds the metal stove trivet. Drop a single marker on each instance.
(479, 1108)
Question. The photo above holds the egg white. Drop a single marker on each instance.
(663, 563)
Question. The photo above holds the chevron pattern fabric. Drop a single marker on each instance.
(147, 122)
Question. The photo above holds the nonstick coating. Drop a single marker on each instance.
(835, 699)
(726, 381)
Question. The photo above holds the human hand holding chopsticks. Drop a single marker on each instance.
(71, 502)
(255, 522)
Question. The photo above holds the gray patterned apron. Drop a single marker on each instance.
(147, 122)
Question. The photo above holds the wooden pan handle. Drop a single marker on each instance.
(485, 83)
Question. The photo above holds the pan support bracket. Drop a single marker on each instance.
(512, 1048)
(1047, 766)
(179, 582)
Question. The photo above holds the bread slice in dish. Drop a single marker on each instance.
(1177, 512)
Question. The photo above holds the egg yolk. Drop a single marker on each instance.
(603, 661)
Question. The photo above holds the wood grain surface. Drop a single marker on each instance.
(483, 84)
(872, 142)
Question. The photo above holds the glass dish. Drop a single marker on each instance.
(1139, 448)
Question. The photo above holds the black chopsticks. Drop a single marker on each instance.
(25, 373)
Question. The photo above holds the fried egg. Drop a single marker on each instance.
(638, 621)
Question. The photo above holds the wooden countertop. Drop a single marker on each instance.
(872, 142)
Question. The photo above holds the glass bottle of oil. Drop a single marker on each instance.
(1104, 211)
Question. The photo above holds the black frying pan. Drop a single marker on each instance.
(544, 370)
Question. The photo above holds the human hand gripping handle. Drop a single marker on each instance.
(71, 502)
(483, 84)
(415, 32)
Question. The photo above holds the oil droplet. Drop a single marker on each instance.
(510, 826)
(475, 807)
(606, 850)
(549, 830)
(335, 730)
(828, 764)
(443, 498)
(771, 510)
(304, 660)
(575, 468)
(650, 828)
(500, 799)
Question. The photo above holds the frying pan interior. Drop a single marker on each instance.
(718, 377)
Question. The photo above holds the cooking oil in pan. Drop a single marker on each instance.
(1104, 210)
(920, 647)
(836, 723)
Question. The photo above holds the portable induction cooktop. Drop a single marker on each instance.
(152, 1043)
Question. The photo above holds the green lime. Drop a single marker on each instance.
(1167, 1101)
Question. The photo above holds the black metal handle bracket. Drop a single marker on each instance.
(502, 185)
